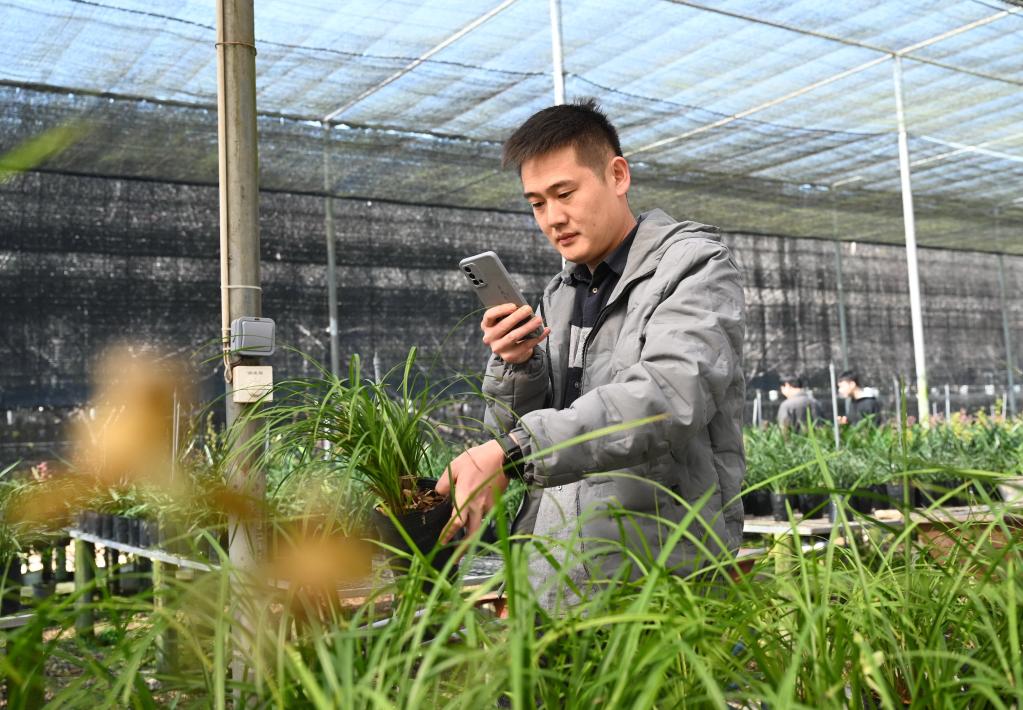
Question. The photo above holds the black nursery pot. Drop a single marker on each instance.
(756, 503)
(862, 501)
(778, 510)
(424, 529)
(815, 504)
(894, 492)
(834, 503)
(121, 525)
(106, 522)
(134, 527)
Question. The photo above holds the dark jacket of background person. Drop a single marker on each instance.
(866, 406)
(793, 411)
(668, 342)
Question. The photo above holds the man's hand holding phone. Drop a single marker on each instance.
(506, 330)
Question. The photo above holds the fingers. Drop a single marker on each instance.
(493, 315)
(443, 486)
(514, 338)
(496, 328)
(455, 523)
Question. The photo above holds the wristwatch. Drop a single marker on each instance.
(512, 455)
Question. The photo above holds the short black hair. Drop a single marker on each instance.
(581, 124)
(849, 376)
(792, 379)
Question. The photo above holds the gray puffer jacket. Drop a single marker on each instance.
(668, 342)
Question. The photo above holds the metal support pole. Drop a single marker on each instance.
(897, 384)
(834, 406)
(557, 63)
(239, 243)
(840, 289)
(239, 212)
(922, 393)
(557, 60)
(328, 223)
(948, 406)
(1010, 360)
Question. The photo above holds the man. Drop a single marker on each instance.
(799, 403)
(863, 403)
(644, 329)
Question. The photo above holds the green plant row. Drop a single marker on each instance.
(870, 455)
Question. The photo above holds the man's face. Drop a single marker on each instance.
(583, 215)
(846, 388)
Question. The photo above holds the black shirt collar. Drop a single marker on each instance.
(615, 261)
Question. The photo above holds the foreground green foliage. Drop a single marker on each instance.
(887, 623)
(896, 620)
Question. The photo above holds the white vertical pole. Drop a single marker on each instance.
(840, 288)
(1010, 360)
(897, 384)
(328, 223)
(948, 406)
(557, 61)
(834, 406)
(922, 393)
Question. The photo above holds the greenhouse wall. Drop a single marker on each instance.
(88, 262)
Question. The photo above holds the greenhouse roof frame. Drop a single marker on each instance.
(774, 120)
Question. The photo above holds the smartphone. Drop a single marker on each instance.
(492, 283)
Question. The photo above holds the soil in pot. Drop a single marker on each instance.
(423, 526)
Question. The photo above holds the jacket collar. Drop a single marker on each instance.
(655, 232)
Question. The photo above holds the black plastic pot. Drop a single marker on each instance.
(120, 529)
(11, 601)
(778, 511)
(106, 523)
(834, 503)
(757, 503)
(147, 533)
(894, 493)
(813, 504)
(422, 527)
(861, 500)
(133, 531)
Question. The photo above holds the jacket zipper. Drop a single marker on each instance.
(601, 317)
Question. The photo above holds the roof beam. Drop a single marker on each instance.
(419, 60)
(824, 82)
(960, 148)
(845, 41)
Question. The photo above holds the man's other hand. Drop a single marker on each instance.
(506, 329)
(478, 481)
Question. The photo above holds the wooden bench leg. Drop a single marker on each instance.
(85, 576)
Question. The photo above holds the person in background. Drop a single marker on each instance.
(798, 405)
(863, 402)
